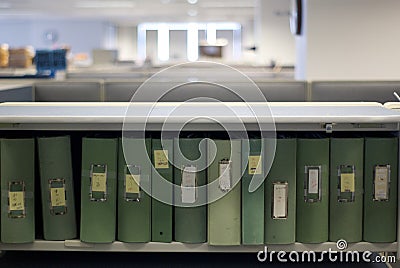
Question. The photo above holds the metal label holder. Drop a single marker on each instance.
(132, 170)
(225, 179)
(380, 191)
(57, 210)
(16, 199)
(189, 187)
(275, 187)
(348, 195)
(98, 196)
(312, 184)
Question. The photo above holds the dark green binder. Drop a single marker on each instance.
(190, 219)
(280, 194)
(58, 203)
(312, 176)
(17, 186)
(134, 204)
(161, 186)
(98, 190)
(252, 203)
(346, 189)
(380, 184)
(224, 214)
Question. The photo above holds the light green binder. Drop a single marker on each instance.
(190, 219)
(224, 214)
(58, 202)
(17, 186)
(346, 189)
(252, 203)
(380, 184)
(98, 190)
(312, 195)
(161, 186)
(280, 193)
(134, 204)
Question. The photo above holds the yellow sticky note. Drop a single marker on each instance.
(255, 164)
(57, 196)
(99, 182)
(347, 182)
(132, 184)
(161, 159)
(17, 201)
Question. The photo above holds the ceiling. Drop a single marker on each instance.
(130, 11)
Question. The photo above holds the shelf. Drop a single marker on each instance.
(76, 245)
(198, 116)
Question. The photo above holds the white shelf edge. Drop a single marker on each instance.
(76, 245)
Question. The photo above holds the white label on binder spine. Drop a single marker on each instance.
(225, 176)
(313, 181)
(188, 186)
(381, 186)
(279, 209)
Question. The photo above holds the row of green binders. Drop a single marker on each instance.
(317, 190)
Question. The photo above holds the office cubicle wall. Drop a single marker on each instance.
(11, 92)
(378, 91)
(177, 91)
(80, 91)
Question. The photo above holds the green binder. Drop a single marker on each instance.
(312, 210)
(58, 203)
(190, 219)
(346, 189)
(134, 204)
(280, 194)
(252, 203)
(224, 214)
(98, 190)
(380, 183)
(17, 186)
(161, 186)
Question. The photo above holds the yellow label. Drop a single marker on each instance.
(57, 196)
(132, 183)
(255, 164)
(16, 200)
(161, 159)
(347, 182)
(99, 182)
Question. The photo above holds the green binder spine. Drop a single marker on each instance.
(312, 176)
(161, 186)
(190, 219)
(98, 190)
(380, 184)
(58, 203)
(252, 203)
(134, 204)
(346, 189)
(224, 214)
(17, 186)
(280, 194)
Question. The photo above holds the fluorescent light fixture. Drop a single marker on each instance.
(105, 4)
(192, 42)
(211, 33)
(192, 1)
(163, 42)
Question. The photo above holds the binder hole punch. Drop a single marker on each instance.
(98, 183)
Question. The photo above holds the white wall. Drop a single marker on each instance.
(82, 36)
(357, 39)
(274, 40)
